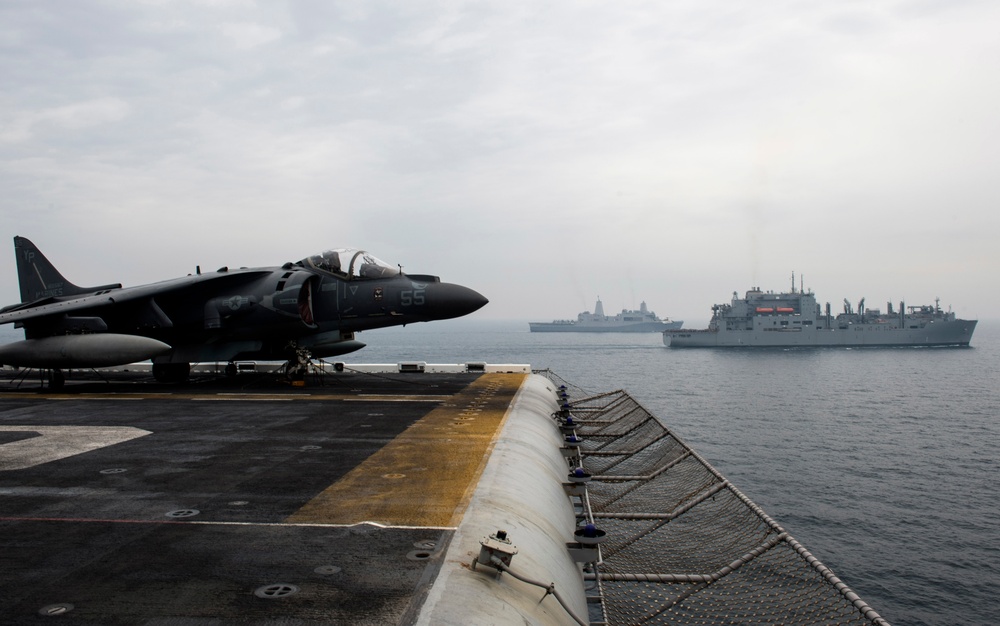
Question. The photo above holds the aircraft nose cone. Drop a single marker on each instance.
(451, 300)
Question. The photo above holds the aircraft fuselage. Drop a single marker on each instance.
(272, 313)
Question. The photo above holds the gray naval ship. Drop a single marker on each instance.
(641, 321)
(768, 319)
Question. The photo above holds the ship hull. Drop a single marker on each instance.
(575, 327)
(938, 333)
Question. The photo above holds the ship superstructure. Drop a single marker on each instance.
(794, 318)
(628, 321)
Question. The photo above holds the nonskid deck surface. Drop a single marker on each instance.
(362, 498)
(237, 499)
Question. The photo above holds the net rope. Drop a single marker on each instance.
(683, 545)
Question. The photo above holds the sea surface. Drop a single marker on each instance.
(883, 462)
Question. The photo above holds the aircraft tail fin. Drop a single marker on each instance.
(39, 279)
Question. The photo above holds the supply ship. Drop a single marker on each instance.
(641, 321)
(793, 318)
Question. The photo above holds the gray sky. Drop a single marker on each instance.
(543, 153)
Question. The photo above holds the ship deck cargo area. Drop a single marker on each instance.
(432, 496)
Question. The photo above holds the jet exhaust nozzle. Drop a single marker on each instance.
(92, 350)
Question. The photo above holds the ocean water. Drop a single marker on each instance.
(882, 462)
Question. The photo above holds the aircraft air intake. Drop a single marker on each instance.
(295, 297)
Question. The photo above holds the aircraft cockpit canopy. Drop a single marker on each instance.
(350, 263)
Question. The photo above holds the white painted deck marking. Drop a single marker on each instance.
(59, 442)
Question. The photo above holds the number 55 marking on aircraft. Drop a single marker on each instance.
(409, 297)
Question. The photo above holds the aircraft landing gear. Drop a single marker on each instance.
(231, 369)
(171, 372)
(299, 366)
(57, 380)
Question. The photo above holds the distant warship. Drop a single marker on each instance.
(641, 321)
(768, 319)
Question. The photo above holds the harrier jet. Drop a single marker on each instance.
(311, 308)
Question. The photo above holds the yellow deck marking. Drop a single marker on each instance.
(426, 475)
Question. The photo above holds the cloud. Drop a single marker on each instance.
(64, 119)
(542, 153)
(245, 35)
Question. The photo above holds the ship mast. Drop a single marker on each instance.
(802, 288)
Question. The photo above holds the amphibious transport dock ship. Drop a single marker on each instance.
(793, 318)
(399, 494)
(641, 321)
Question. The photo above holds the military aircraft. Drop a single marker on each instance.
(295, 312)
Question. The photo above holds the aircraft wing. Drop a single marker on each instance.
(101, 299)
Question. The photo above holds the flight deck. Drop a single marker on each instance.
(490, 496)
(214, 501)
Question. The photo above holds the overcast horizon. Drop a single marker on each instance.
(544, 154)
